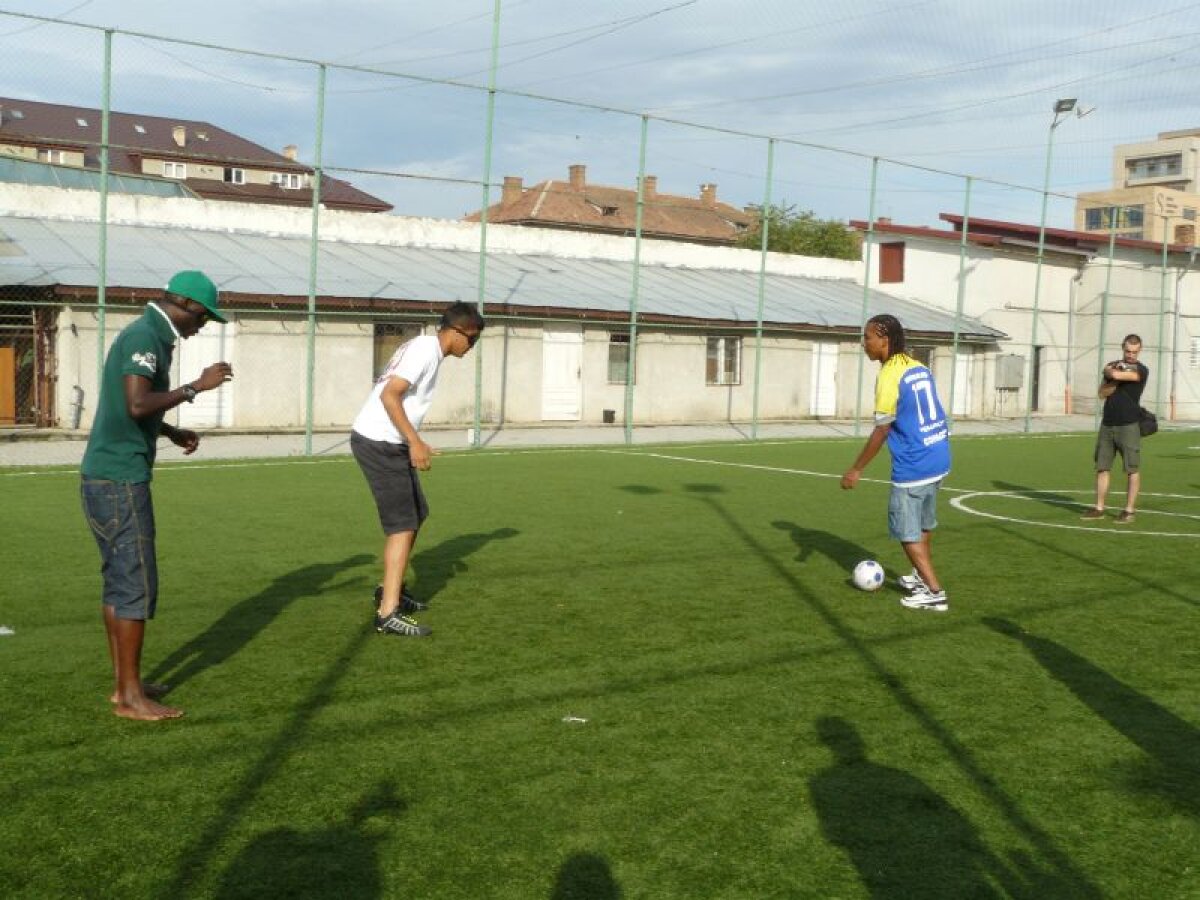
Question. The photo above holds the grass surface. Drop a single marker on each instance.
(755, 727)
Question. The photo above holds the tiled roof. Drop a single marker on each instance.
(1013, 234)
(133, 136)
(576, 205)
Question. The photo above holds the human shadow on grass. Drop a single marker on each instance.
(585, 876)
(904, 839)
(193, 862)
(240, 623)
(1171, 743)
(436, 567)
(843, 553)
(342, 859)
(1048, 867)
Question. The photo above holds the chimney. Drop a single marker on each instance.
(512, 190)
(708, 194)
(578, 177)
(650, 187)
(179, 133)
(290, 152)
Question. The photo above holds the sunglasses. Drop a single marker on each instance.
(471, 338)
(202, 315)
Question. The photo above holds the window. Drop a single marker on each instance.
(891, 263)
(1124, 219)
(174, 170)
(53, 156)
(286, 180)
(140, 129)
(388, 338)
(923, 355)
(724, 361)
(618, 359)
(1189, 213)
(1154, 166)
(81, 122)
(235, 176)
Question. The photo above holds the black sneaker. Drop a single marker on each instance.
(401, 625)
(408, 603)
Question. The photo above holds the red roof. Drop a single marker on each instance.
(132, 137)
(994, 232)
(576, 205)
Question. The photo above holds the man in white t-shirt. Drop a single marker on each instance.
(385, 440)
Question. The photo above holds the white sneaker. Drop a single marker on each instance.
(911, 582)
(924, 598)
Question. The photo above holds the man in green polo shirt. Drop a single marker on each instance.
(135, 394)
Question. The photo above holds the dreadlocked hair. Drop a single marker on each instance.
(890, 327)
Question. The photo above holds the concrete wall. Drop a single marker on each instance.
(269, 358)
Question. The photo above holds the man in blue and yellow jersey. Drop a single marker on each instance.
(910, 419)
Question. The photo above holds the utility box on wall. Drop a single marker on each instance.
(1010, 372)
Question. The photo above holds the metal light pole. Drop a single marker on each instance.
(1061, 108)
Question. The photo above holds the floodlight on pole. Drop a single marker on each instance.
(1061, 108)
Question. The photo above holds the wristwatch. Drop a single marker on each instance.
(189, 393)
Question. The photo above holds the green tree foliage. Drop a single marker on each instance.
(802, 233)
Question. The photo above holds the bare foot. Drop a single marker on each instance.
(146, 710)
(151, 689)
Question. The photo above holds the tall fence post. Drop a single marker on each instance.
(481, 286)
(1112, 249)
(1162, 312)
(313, 252)
(962, 290)
(869, 240)
(102, 261)
(764, 240)
(635, 288)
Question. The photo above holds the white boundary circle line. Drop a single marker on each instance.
(968, 494)
(960, 503)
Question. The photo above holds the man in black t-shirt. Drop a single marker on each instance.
(1121, 389)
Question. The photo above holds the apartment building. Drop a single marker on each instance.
(1155, 194)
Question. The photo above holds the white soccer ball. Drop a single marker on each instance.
(868, 575)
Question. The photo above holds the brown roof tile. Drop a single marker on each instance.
(577, 205)
(132, 137)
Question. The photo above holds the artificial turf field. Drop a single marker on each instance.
(649, 677)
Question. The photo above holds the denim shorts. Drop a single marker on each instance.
(911, 511)
(393, 482)
(121, 516)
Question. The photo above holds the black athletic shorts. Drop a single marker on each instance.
(393, 482)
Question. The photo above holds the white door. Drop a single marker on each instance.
(213, 343)
(964, 375)
(822, 400)
(562, 373)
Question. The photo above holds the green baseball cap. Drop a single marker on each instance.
(199, 287)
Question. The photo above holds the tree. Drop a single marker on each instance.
(802, 233)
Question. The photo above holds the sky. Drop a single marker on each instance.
(954, 98)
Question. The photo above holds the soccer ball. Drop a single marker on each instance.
(868, 575)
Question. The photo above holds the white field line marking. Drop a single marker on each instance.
(191, 467)
(960, 503)
(207, 465)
